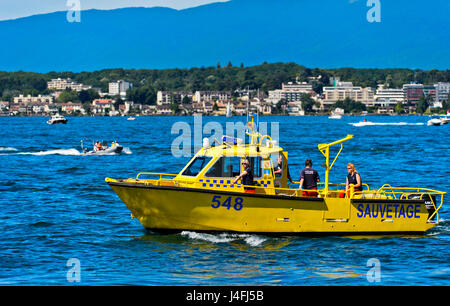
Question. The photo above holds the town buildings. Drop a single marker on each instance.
(381, 99)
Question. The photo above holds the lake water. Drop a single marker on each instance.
(57, 212)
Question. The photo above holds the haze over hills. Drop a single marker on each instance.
(324, 33)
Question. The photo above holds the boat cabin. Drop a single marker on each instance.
(217, 166)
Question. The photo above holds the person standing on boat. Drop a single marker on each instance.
(279, 169)
(309, 178)
(354, 178)
(246, 176)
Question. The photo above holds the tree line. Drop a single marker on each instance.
(265, 77)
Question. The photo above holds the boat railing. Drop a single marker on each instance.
(154, 174)
(433, 196)
(385, 192)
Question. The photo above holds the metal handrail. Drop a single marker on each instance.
(155, 173)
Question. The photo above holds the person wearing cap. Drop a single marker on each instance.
(246, 176)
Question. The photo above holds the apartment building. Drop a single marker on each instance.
(442, 91)
(290, 92)
(119, 88)
(413, 92)
(29, 99)
(344, 90)
(169, 97)
(63, 84)
(388, 97)
(210, 96)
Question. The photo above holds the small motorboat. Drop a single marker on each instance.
(131, 118)
(336, 113)
(435, 121)
(334, 116)
(57, 119)
(102, 149)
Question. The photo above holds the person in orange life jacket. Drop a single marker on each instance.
(246, 176)
(309, 178)
(279, 169)
(354, 178)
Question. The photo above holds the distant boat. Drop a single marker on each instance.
(229, 110)
(57, 119)
(435, 121)
(334, 116)
(131, 118)
(115, 148)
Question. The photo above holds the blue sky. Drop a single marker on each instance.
(11, 9)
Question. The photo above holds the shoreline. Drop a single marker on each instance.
(203, 115)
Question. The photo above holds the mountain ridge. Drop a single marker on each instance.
(325, 34)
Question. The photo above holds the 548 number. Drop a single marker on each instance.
(237, 205)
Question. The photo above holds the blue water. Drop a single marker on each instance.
(55, 206)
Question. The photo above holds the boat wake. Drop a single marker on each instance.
(53, 152)
(8, 149)
(252, 240)
(369, 123)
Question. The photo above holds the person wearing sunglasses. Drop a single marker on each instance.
(246, 176)
(354, 178)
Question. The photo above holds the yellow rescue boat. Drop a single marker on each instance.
(201, 198)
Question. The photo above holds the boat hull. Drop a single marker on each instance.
(167, 208)
(57, 122)
(114, 150)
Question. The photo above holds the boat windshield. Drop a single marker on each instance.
(197, 165)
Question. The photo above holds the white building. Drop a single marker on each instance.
(63, 84)
(29, 99)
(169, 97)
(119, 88)
(71, 107)
(388, 97)
(344, 90)
(210, 96)
(442, 91)
(290, 92)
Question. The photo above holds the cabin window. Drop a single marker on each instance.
(256, 165)
(197, 165)
(225, 166)
(230, 166)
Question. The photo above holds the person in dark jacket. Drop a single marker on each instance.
(246, 176)
(309, 178)
(278, 170)
(354, 178)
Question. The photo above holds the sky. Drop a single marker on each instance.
(12, 9)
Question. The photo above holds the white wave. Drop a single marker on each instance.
(7, 149)
(251, 240)
(127, 150)
(53, 152)
(255, 240)
(369, 123)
